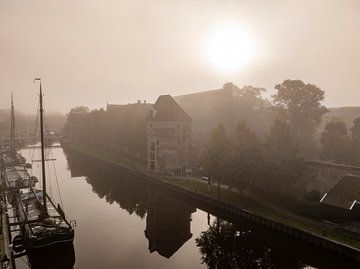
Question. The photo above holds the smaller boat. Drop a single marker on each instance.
(14, 175)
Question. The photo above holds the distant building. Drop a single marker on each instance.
(168, 137)
(139, 108)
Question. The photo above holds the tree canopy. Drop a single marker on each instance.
(215, 152)
(301, 105)
(335, 143)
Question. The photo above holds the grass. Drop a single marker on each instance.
(332, 232)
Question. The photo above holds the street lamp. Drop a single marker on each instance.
(5, 262)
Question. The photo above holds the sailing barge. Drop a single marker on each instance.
(14, 174)
(45, 231)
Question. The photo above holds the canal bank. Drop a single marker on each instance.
(5, 237)
(262, 216)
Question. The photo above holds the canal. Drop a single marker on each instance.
(123, 222)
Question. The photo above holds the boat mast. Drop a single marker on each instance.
(42, 147)
(12, 130)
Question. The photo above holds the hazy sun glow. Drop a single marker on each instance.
(230, 48)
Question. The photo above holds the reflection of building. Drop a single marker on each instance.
(167, 224)
(168, 137)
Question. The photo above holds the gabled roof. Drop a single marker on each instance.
(167, 109)
(168, 245)
(345, 192)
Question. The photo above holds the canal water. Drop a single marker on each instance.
(123, 222)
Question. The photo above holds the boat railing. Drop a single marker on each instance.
(26, 220)
(59, 210)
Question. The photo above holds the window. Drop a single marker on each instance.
(152, 155)
(152, 146)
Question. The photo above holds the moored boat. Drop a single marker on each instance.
(45, 231)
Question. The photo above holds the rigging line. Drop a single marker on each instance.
(57, 182)
(49, 179)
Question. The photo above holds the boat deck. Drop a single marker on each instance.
(31, 212)
(17, 177)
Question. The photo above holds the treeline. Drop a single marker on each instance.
(121, 131)
(340, 145)
(241, 159)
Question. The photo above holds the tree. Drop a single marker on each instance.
(335, 143)
(282, 160)
(79, 109)
(355, 140)
(244, 161)
(252, 96)
(301, 106)
(215, 153)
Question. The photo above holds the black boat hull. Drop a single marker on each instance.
(59, 255)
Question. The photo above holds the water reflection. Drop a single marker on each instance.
(225, 245)
(167, 219)
(111, 185)
(61, 258)
(234, 243)
(167, 223)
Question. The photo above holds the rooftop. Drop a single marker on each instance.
(345, 192)
(167, 109)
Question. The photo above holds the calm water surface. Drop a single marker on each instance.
(124, 223)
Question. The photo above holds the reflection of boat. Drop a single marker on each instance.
(44, 228)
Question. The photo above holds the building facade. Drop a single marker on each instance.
(168, 132)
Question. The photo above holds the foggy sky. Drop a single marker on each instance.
(90, 52)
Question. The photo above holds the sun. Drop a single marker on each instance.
(229, 48)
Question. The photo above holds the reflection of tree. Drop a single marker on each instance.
(115, 186)
(225, 246)
(129, 195)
